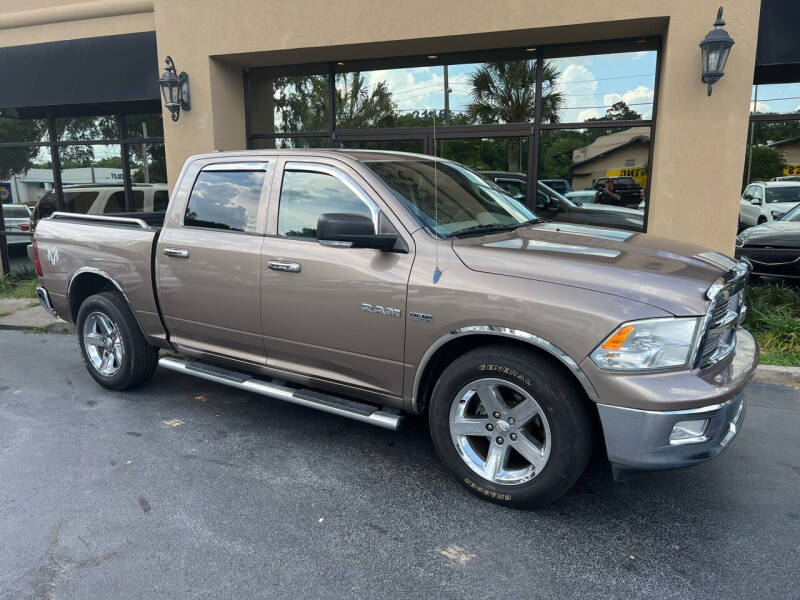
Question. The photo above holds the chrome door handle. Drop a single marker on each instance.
(176, 252)
(289, 267)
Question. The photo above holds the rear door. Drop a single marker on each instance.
(208, 260)
(332, 313)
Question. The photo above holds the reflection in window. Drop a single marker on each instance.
(287, 103)
(306, 195)
(773, 152)
(290, 142)
(225, 200)
(605, 86)
(611, 163)
(15, 128)
(775, 98)
(487, 154)
(393, 145)
(100, 127)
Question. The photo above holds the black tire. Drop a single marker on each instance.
(562, 401)
(139, 359)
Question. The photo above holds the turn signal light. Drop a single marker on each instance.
(615, 341)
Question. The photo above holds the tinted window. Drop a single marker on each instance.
(79, 202)
(783, 194)
(515, 188)
(306, 195)
(115, 203)
(15, 212)
(225, 200)
(160, 201)
(138, 201)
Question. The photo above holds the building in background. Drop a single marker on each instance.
(415, 76)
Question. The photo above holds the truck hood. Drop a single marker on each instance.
(670, 275)
(613, 209)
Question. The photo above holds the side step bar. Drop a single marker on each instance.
(344, 407)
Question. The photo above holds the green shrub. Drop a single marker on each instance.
(19, 284)
(773, 317)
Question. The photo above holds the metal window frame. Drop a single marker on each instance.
(532, 130)
(120, 113)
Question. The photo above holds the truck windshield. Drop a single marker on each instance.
(453, 199)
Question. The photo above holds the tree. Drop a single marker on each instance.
(358, 107)
(17, 161)
(767, 163)
(505, 92)
(619, 111)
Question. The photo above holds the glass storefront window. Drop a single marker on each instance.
(291, 142)
(601, 171)
(149, 178)
(15, 128)
(99, 127)
(773, 151)
(487, 154)
(414, 145)
(492, 92)
(144, 125)
(779, 98)
(295, 101)
(617, 86)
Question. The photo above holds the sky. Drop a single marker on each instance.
(590, 84)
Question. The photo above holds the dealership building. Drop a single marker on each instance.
(572, 90)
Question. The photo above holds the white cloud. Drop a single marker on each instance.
(588, 113)
(637, 95)
(762, 107)
(421, 87)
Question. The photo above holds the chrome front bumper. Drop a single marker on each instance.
(44, 300)
(639, 440)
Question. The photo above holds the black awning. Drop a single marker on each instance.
(778, 53)
(118, 68)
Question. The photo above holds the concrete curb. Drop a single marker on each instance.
(777, 374)
(57, 327)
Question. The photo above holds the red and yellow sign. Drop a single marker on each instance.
(639, 174)
(791, 169)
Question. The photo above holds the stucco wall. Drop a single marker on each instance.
(211, 40)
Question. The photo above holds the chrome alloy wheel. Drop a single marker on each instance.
(500, 431)
(102, 343)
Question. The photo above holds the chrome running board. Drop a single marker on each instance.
(344, 407)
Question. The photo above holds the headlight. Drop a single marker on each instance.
(650, 344)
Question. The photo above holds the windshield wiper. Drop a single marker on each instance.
(492, 228)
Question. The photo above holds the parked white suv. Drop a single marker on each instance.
(765, 201)
(104, 199)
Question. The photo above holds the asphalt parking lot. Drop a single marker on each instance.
(187, 489)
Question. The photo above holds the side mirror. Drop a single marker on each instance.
(755, 201)
(343, 230)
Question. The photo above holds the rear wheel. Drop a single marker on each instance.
(511, 426)
(112, 346)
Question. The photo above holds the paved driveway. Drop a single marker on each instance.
(186, 489)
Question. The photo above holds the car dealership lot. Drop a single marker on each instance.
(188, 489)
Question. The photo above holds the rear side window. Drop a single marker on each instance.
(15, 212)
(115, 203)
(160, 201)
(305, 195)
(79, 202)
(225, 200)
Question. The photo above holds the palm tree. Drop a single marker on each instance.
(505, 92)
(357, 107)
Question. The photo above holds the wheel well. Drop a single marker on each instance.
(85, 285)
(459, 346)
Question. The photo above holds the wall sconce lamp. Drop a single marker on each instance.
(714, 51)
(175, 89)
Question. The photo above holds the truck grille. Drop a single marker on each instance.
(726, 311)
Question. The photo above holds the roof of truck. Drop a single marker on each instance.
(359, 155)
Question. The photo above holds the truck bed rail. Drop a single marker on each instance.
(99, 219)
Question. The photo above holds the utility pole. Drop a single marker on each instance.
(752, 131)
(446, 97)
(145, 167)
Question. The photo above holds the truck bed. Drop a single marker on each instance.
(73, 246)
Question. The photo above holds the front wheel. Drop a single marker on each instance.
(113, 348)
(511, 426)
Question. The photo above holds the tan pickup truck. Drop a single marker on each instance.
(376, 284)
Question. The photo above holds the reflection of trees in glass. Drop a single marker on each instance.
(767, 163)
(505, 92)
(359, 107)
(302, 102)
(619, 111)
(17, 161)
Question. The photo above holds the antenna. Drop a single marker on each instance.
(437, 272)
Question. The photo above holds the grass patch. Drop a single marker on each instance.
(20, 284)
(773, 317)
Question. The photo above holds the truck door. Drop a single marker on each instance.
(208, 260)
(332, 313)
